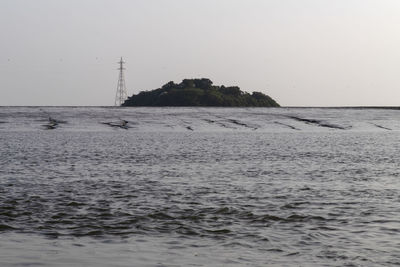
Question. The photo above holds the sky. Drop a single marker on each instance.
(299, 52)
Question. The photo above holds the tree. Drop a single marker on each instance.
(199, 92)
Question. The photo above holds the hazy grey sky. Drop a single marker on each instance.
(300, 52)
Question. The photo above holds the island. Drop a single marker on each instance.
(199, 92)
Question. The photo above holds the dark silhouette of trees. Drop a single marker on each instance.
(199, 92)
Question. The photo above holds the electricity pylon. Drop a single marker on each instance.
(121, 94)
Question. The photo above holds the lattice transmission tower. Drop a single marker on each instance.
(121, 94)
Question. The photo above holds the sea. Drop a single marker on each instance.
(188, 186)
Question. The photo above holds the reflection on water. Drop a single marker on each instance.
(303, 187)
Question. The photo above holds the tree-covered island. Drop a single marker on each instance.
(199, 92)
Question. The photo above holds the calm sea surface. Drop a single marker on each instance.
(199, 187)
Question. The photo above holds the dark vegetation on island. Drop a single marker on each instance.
(200, 92)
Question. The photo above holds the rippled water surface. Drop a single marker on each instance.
(199, 187)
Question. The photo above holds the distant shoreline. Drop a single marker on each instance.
(281, 107)
(348, 107)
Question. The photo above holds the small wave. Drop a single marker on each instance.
(286, 125)
(304, 218)
(237, 122)
(267, 218)
(292, 218)
(319, 123)
(160, 216)
(219, 231)
(293, 205)
(223, 125)
(75, 204)
(381, 127)
(9, 214)
(95, 233)
(5, 227)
